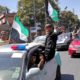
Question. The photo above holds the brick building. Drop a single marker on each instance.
(7, 26)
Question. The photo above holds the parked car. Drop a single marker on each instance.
(13, 65)
(74, 47)
(63, 41)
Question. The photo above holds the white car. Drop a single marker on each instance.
(13, 65)
(51, 70)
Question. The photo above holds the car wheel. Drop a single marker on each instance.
(72, 56)
(58, 73)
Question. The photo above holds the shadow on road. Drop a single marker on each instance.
(62, 49)
(67, 77)
(76, 56)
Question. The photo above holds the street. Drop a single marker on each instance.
(70, 68)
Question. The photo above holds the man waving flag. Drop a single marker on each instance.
(19, 33)
(52, 13)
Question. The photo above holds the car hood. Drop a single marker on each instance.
(75, 42)
(32, 44)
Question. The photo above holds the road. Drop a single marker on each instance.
(70, 68)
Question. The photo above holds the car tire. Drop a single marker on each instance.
(58, 73)
(72, 56)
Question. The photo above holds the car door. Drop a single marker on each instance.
(47, 73)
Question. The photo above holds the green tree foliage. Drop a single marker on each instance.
(26, 8)
(3, 9)
(68, 19)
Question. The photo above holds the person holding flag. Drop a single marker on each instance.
(51, 39)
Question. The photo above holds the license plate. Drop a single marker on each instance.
(78, 51)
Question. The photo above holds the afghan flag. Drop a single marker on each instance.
(19, 33)
(52, 13)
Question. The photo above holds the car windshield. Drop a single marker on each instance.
(40, 39)
(9, 67)
(65, 36)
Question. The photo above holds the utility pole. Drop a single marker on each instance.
(34, 12)
(45, 3)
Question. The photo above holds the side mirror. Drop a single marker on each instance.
(32, 72)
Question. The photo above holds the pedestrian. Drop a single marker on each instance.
(75, 32)
(50, 43)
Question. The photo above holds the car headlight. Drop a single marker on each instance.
(71, 46)
(75, 46)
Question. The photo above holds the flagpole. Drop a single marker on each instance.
(10, 30)
(10, 34)
(34, 8)
(46, 11)
(8, 25)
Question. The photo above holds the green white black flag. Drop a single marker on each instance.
(19, 33)
(52, 12)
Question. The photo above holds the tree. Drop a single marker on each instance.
(4, 9)
(26, 9)
(68, 19)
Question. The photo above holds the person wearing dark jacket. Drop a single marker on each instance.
(50, 43)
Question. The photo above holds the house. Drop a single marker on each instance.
(6, 27)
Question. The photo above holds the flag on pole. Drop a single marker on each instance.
(19, 33)
(51, 11)
(2, 19)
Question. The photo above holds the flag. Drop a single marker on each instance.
(19, 33)
(53, 14)
(2, 19)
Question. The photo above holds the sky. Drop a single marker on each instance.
(72, 5)
(11, 4)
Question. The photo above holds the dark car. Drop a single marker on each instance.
(63, 41)
(13, 65)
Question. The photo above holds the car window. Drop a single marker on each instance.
(64, 36)
(9, 67)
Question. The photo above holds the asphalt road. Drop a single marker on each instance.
(70, 68)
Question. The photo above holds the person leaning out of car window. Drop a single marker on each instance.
(35, 63)
(50, 43)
